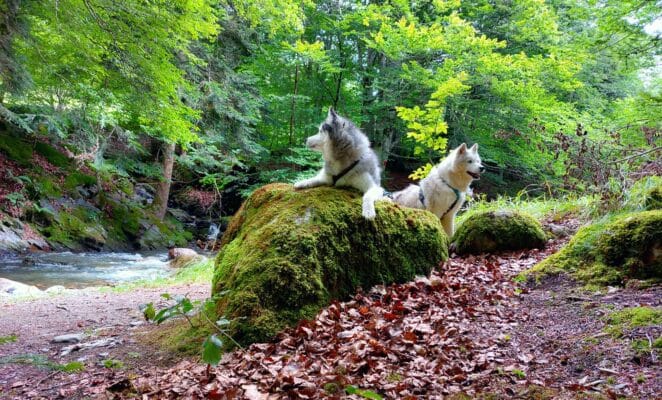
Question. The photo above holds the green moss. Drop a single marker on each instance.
(611, 251)
(16, 149)
(77, 228)
(112, 363)
(497, 231)
(46, 187)
(79, 179)
(287, 253)
(632, 317)
(51, 154)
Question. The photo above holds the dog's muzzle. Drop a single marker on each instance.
(475, 175)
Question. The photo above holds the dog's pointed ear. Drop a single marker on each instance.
(332, 114)
(474, 148)
(461, 149)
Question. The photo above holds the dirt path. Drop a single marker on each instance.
(101, 316)
(467, 331)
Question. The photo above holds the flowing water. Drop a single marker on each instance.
(78, 270)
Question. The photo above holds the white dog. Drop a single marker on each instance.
(442, 192)
(348, 161)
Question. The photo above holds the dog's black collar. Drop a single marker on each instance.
(344, 172)
(457, 197)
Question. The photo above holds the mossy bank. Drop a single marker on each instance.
(51, 201)
(611, 251)
(286, 254)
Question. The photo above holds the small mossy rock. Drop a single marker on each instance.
(612, 251)
(286, 254)
(498, 231)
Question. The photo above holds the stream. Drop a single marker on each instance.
(79, 270)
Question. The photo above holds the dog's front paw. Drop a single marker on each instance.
(369, 213)
(300, 185)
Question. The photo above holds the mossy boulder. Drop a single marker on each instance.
(286, 254)
(498, 231)
(611, 251)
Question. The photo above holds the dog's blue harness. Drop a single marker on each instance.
(457, 197)
(421, 197)
(344, 172)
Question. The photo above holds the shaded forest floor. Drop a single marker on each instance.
(467, 331)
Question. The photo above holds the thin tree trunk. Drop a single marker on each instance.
(163, 187)
(294, 97)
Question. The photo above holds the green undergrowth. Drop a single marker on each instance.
(182, 337)
(539, 208)
(286, 254)
(8, 339)
(52, 155)
(16, 149)
(618, 322)
(196, 271)
(645, 194)
(41, 361)
(610, 251)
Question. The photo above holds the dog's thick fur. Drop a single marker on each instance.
(457, 171)
(346, 149)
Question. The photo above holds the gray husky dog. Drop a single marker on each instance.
(443, 191)
(348, 161)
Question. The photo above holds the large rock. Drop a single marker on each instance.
(286, 254)
(498, 231)
(612, 251)
(9, 288)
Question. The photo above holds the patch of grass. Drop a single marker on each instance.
(539, 208)
(41, 361)
(198, 271)
(633, 317)
(74, 366)
(645, 194)
(8, 339)
(643, 347)
(518, 373)
(112, 363)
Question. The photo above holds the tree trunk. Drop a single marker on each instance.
(163, 187)
(294, 98)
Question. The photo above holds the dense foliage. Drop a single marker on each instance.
(561, 94)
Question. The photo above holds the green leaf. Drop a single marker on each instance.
(211, 350)
(149, 312)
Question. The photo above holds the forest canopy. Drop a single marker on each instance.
(553, 91)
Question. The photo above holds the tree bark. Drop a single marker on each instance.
(163, 187)
(294, 98)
